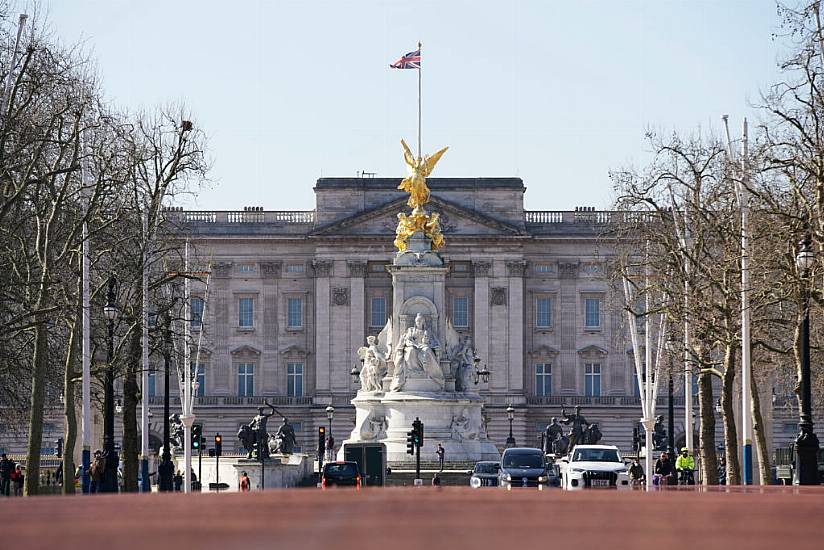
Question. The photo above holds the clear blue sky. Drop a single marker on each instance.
(555, 92)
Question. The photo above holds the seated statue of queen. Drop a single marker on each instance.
(415, 352)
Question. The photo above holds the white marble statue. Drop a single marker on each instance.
(414, 354)
(374, 356)
(373, 428)
(461, 358)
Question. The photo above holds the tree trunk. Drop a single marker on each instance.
(131, 441)
(69, 412)
(728, 406)
(38, 385)
(764, 466)
(709, 460)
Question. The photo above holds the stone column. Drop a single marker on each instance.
(221, 361)
(323, 377)
(480, 270)
(270, 358)
(357, 338)
(515, 271)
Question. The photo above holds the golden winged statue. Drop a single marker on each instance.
(415, 182)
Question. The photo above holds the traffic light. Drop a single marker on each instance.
(411, 438)
(58, 447)
(321, 440)
(417, 427)
(218, 445)
(197, 436)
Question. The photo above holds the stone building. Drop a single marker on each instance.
(294, 294)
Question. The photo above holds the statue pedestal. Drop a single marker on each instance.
(280, 471)
(449, 418)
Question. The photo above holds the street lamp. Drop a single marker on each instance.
(330, 414)
(166, 469)
(355, 373)
(108, 481)
(806, 444)
(481, 373)
(510, 414)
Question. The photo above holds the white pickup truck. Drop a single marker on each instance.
(594, 466)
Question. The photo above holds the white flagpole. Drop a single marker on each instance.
(186, 388)
(144, 382)
(420, 64)
(86, 423)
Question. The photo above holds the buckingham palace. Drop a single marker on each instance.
(293, 294)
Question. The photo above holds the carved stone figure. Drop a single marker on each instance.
(576, 424)
(375, 359)
(373, 428)
(463, 363)
(416, 354)
(284, 440)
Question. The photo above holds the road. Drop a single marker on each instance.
(420, 518)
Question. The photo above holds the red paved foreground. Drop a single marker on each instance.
(420, 518)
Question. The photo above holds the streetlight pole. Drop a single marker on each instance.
(510, 413)
(108, 482)
(670, 420)
(806, 444)
(166, 469)
(330, 414)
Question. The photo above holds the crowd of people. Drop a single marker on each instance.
(667, 470)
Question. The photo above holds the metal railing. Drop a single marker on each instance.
(241, 216)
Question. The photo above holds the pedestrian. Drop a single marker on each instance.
(18, 480)
(195, 483)
(6, 469)
(636, 473)
(178, 480)
(436, 480)
(722, 470)
(244, 485)
(663, 470)
(441, 452)
(96, 471)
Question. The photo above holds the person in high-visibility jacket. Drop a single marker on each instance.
(685, 465)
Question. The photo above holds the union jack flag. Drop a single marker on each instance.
(411, 60)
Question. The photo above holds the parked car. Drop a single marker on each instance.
(340, 474)
(594, 466)
(485, 474)
(526, 467)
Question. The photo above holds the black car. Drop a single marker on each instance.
(341, 474)
(485, 474)
(526, 467)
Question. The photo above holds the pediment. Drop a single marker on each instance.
(294, 351)
(544, 351)
(245, 350)
(593, 351)
(455, 220)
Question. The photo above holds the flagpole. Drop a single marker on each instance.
(420, 64)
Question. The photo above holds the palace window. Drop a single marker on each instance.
(151, 386)
(245, 312)
(543, 313)
(294, 379)
(543, 379)
(460, 311)
(197, 312)
(294, 313)
(592, 313)
(245, 379)
(377, 316)
(592, 379)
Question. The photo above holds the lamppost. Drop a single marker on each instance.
(510, 414)
(108, 481)
(165, 469)
(806, 444)
(330, 414)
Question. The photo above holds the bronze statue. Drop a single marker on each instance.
(554, 441)
(254, 435)
(659, 434)
(284, 440)
(576, 424)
